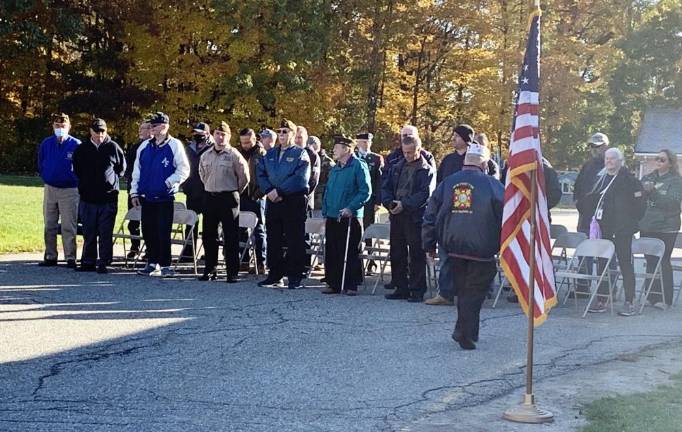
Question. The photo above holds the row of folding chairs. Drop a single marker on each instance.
(182, 234)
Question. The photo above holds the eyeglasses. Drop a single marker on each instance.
(662, 160)
(283, 131)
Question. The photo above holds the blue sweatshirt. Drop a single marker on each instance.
(55, 161)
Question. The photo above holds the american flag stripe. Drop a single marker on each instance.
(525, 155)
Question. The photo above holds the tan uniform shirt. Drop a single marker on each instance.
(223, 171)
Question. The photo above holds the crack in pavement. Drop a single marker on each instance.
(549, 369)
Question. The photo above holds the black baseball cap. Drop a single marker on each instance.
(159, 118)
(98, 125)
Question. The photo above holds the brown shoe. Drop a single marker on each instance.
(439, 300)
(330, 290)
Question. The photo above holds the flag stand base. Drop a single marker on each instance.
(528, 412)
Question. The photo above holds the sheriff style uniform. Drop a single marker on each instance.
(375, 165)
(225, 174)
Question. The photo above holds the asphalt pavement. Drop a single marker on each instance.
(121, 352)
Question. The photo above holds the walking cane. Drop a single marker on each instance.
(345, 257)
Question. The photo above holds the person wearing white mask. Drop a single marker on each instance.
(60, 197)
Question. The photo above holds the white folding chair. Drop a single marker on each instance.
(183, 233)
(248, 221)
(379, 252)
(594, 249)
(315, 228)
(178, 205)
(132, 215)
(649, 247)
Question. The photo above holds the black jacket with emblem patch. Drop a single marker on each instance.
(464, 215)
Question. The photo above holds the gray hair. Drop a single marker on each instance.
(411, 140)
(613, 151)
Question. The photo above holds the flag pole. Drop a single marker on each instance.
(527, 411)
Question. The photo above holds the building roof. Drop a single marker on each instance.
(661, 129)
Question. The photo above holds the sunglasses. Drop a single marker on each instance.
(283, 131)
(662, 160)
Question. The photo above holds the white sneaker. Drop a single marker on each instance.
(148, 270)
(627, 310)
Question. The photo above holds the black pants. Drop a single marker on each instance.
(623, 244)
(285, 226)
(258, 207)
(133, 229)
(195, 203)
(222, 208)
(334, 248)
(666, 267)
(157, 223)
(98, 228)
(471, 280)
(407, 255)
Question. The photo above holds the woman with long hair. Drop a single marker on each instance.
(663, 192)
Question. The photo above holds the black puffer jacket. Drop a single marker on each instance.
(584, 183)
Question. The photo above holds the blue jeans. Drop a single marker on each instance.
(446, 280)
(258, 207)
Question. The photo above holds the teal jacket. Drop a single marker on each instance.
(663, 203)
(348, 186)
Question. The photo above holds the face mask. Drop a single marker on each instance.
(199, 138)
(60, 132)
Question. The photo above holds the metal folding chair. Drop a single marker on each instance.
(676, 268)
(651, 247)
(555, 231)
(183, 233)
(593, 249)
(248, 221)
(379, 252)
(315, 227)
(132, 215)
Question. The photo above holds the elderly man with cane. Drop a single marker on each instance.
(348, 189)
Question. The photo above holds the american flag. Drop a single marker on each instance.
(525, 155)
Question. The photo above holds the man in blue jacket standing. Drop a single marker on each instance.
(348, 189)
(464, 219)
(405, 191)
(60, 196)
(160, 167)
(283, 176)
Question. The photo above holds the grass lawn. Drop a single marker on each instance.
(21, 209)
(656, 411)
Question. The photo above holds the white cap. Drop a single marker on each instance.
(475, 149)
(599, 139)
(409, 130)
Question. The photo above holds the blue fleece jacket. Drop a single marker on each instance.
(55, 161)
(349, 186)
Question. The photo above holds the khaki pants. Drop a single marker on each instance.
(60, 203)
